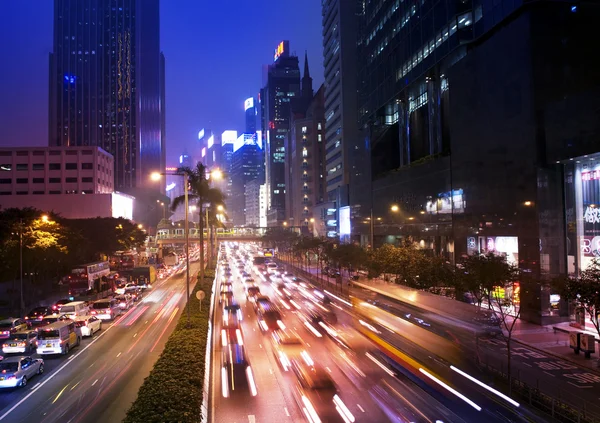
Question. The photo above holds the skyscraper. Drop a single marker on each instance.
(305, 162)
(345, 160)
(107, 84)
(250, 111)
(246, 165)
(282, 85)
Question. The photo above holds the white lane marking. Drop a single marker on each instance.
(260, 345)
(271, 371)
(328, 369)
(34, 386)
(251, 419)
(581, 386)
(287, 413)
(118, 355)
(26, 397)
(360, 408)
(549, 374)
(96, 381)
(527, 364)
(72, 357)
(135, 335)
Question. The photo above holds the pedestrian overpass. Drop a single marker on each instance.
(177, 235)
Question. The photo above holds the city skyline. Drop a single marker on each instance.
(25, 107)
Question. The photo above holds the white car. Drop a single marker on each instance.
(125, 301)
(88, 325)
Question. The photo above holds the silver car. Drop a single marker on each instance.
(16, 371)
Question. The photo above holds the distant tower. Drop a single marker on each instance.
(307, 87)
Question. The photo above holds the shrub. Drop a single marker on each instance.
(172, 392)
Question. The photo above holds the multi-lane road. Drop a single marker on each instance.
(370, 385)
(97, 381)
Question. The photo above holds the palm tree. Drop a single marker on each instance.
(200, 192)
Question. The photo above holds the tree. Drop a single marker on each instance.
(481, 273)
(584, 290)
(507, 299)
(201, 193)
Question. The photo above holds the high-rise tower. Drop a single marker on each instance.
(107, 84)
(281, 87)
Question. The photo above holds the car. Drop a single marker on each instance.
(232, 315)
(125, 301)
(272, 268)
(20, 342)
(236, 373)
(252, 291)
(105, 309)
(287, 346)
(226, 286)
(16, 371)
(10, 326)
(226, 298)
(88, 325)
(128, 287)
(317, 394)
(38, 313)
(58, 305)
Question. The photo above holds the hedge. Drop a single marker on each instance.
(172, 392)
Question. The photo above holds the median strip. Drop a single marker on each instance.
(173, 391)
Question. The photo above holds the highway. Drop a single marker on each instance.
(370, 384)
(97, 381)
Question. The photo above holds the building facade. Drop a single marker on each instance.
(281, 87)
(246, 165)
(346, 172)
(107, 84)
(77, 182)
(485, 135)
(256, 204)
(250, 111)
(305, 165)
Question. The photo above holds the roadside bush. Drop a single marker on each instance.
(172, 392)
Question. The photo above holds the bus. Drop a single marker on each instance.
(87, 276)
(124, 260)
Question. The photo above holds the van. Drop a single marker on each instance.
(106, 309)
(58, 338)
(75, 308)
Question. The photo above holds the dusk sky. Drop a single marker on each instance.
(215, 52)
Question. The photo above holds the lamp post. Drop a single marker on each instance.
(163, 207)
(156, 177)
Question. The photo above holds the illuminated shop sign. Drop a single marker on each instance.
(593, 175)
(447, 202)
(591, 214)
(345, 221)
(279, 51)
(211, 141)
(249, 103)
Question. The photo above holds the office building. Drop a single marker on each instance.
(250, 111)
(107, 84)
(256, 204)
(305, 162)
(76, 182)
(484, 134)
(246, 165)
(281, 86)
(346, 167)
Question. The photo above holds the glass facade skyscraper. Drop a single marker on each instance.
(282, 86)
(479, 117)
(107, 84)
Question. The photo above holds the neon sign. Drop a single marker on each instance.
(278, 51)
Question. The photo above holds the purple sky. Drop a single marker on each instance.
(214, 53)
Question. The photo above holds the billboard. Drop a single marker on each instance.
(211, 141)
(249, 103)
(201, 134)
(344, 219)
(279, 50)
(122, 205)
(228, 137)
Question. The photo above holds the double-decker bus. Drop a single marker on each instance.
(87, 276)
(124, 260)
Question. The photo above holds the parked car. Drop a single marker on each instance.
(88, 325)
(20, 342)
(16, 371)
(38, 313)
(10, 326)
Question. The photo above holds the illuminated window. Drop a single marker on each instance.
(304, 129)
(319, 126)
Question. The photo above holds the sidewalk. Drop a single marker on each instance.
(552, 340)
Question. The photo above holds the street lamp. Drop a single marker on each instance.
(156, 176)
(163, 207)
(395, 208)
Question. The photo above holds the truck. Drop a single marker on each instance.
(171, 259)
(144, 276)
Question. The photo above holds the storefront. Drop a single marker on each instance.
(582, 184)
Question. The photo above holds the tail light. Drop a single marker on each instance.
(20, 344)
(94, 312)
